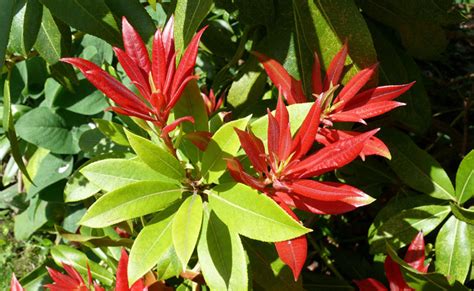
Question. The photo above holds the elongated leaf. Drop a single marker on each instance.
(111, 174)
(156, 157)
(465, 179)
(51, 44)
(416, 167)
(136, 14)
(79, 261)
(402, 219)
(221, 254)
(186, 227)
(154, 246)
(94, 240)
(324, 26)
(130, 201)
(188, 16)
(25, 27)
(463, 214)
(453, 249)
(44, 128)
(224, 144)
(253, 215)
(90, 16)
(9, 127)
(6, 17)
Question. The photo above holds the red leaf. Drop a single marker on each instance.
(237, 172)
(73, 273)
(273, 136)
(282, 117)
(330, 157)
(159, 62)
(128, 112)
(316, 82)
(63, 281)
(290, 87)
(133, 72)
(122, 276)
(382, 93)
(370, 284)
(415, 255)
(187, 62)
(293, 252)
(373, 146)
(14, 284)
(329, 191)
(254, 149)
(346, 117)
(177, 93)
(199, 138)
(134, 46)
(369, 110)
(304, 139)
(355, 84)
(168, 39)
(334, 72)
(394, 275)
(172, 126)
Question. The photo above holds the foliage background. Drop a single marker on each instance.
(53, 112)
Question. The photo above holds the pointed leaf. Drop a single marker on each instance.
(394, 275)
(6, 17)
(156, 157)
(253, 215)
(417, 168)
(130, 201)
(111, 174)
(154, 246)
(415, 255)
(223, 144)
(135, 47)
(453, 249)
(334, 71)
(221, 254)
(186, 227)
(465, 178)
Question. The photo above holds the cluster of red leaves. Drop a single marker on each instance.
(159, 81)
(415, 257)
(285, 171)
(74, 281)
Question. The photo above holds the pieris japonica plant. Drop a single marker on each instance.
(199, 187)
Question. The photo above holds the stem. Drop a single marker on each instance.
(326, 260)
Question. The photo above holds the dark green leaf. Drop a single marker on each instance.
(90, 16)
(256, 12)
(51, 43)
(133, 200)
(44, 128)
(25, 27)
(221, 255)
(6, 17)
(253, 215)
(463, 214)
(112, 130)
(453, 249)
(402, 219)
(188, 16)
(417, 168)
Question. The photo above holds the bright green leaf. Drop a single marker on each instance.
(186, 227)
(130, 201)
(112, 130)
(465, 179)
(111, 174)
(224, 144)
(222, 256)
(154, 246)
(463, 214)
(156, 157)
(79, 261)
(453, 249)
(253, 215)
